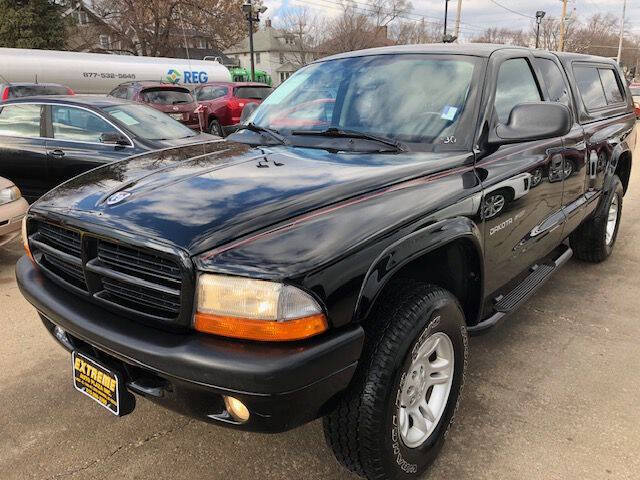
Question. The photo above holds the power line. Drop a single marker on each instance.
(468, 28)
(510, 10)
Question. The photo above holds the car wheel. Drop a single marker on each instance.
(394, 419)
(494, 203)
(215, 128)
(593, 241)
(536, 177)
(567, 169)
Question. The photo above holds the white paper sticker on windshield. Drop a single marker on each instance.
(124, 117)
(449, 113)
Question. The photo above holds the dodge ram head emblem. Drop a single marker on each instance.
(117, 197)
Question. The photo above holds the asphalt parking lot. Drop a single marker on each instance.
(552, 394)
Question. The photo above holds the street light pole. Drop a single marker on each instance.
(446, 14)
(539, 16)
(252, 16)
(447, 38)
(253, 67)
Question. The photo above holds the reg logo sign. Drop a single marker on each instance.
(188, 76)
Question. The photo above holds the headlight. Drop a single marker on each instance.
(8, 195)
(255, 309)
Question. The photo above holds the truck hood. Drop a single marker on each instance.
(201, 196)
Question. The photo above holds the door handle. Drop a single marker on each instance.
(57, 153)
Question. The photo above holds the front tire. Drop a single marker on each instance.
(594, 240)
(393, 421)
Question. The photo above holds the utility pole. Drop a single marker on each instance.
(539, 16)
(458, 14)
(562, 22)
(624, 12)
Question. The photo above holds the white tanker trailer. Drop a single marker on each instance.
(98, 73)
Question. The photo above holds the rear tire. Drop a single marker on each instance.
(376, 419)
(215, 128)
(594, 240)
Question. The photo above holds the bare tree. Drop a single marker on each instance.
(412, 32)
(503, 36)
(153, 27)
(308, 30)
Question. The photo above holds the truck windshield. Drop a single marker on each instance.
(412, 98)
(149, 123)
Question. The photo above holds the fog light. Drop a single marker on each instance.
(236, 409)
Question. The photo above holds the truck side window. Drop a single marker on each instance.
(611, 86)
(20, 120)
(556, 84)
(590, 87)
(516, 84)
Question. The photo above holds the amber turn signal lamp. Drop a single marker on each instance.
(25, 239)
(261, 330)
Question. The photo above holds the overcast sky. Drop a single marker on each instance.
(480, 14)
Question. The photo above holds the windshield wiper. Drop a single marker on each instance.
(340, 133)
(258, 129)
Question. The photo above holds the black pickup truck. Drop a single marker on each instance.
(332, 257)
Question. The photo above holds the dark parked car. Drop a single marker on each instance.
(224, 103)
(9, 91)
(337, 270)
(174, 100)
(47, 140)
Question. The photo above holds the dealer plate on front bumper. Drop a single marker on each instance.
(176, 116)
(96, 381)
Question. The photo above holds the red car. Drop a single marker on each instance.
(170, 98)
(224, 102)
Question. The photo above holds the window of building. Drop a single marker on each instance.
(516, 84)
(20, 120)
(257, 57)
(281, 58)
(284, 76)
(105, 41)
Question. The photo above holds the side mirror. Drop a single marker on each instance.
(248, 109)
(532, 121)
(113, 138)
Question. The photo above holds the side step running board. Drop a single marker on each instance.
(521, 293)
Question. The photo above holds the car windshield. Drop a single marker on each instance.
(419, 98)
(18, 91)
(148, 123)
(166, 96)
(258, 93)
(635, 91)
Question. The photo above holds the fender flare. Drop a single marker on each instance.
(412, 247)
(610, 172)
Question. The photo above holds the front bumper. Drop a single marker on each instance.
(283, 385)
